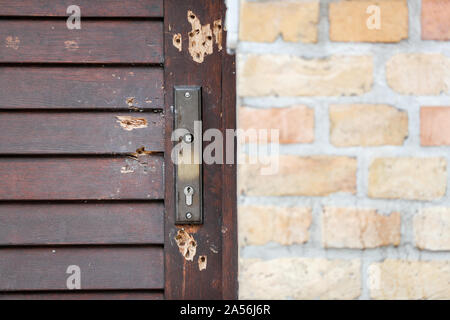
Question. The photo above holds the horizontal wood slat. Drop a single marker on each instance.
(75, 132)
(81, 178)
(81, 87)
(85, 295)
(101, 268)
(89, 8)
(40, 41)
(81, 223)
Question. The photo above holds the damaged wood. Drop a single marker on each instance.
(200, 38)
(186, 244)
(130, 123)
(202, 262)
(177, 41)
(217, 30)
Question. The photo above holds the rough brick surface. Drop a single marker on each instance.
(435, 19)
(295, 124)
(355, 21)
(367, 125)
(419, 74)
(265, 75)
(300, 278)
(300, 176)
(397, 279)
(408, 178)
(435, 126)
(432, 229)
(265, 21)
(259, 225)
(359, 228)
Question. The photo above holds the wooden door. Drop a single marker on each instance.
(86, 180)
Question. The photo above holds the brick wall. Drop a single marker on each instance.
(360, 207)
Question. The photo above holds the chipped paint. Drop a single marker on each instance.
(130, 101)
(200, 39)
(126, 169)
(177, 41)
(139, 159)
(71, 45)
(202, 262)
(130, 123)
(12, 42)
(217, 30)
(186, 244)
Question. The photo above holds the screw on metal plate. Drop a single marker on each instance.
(188, 137)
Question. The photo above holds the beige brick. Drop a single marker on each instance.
(408, 178)
(434, 126)
(295, 124)
(265, 21)
(300, 176)
(419, 74)
(359, 228)
(259, 225)
(367, 125)
(397, 279)
(300, 278)
(350, 21)
(432, 229)
(283, 75)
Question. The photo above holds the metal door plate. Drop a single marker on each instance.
(188, 154)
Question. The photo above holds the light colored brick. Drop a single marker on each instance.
(408, 178)
(359, 228)
(402, 280)
(259, 225)
(300, 176)
(295, 124)
(350, 21)
(435, 126)
(367, 125)
(419, 74)
(432, 229)
(300, 278)
(435, 19)
(283, 75)
(265, 21)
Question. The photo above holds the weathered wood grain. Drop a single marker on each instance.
(81, 87)
(80, 133)
(89, 8)
(81, 223)
(101, 268)
(66, 178)
(102, 41)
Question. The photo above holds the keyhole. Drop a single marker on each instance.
(188, 192)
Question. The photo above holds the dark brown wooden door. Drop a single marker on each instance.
(86, 179)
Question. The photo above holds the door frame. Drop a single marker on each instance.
(216, 238)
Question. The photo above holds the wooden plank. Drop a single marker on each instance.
(96, 42)
(85, 295)
(76, 132)
(81, 223)
(66, 178)
(230, 247)
(81, 87)
(184, 280)
(100, 268)
(89, 8)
